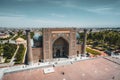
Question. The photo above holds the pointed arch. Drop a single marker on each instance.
(60, 47)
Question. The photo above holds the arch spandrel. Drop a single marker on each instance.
(64, 36)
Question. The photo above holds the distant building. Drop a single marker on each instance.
(4, 35)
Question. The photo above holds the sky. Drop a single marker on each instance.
(59, 13)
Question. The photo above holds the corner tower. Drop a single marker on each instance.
(29, 49)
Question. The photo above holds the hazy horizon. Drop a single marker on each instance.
(56, 13)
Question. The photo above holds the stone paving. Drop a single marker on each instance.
(55, 62)
(93, 69)
(115, 59)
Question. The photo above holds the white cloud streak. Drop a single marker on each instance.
(28, 22)
(57, 15)
(101, 9)
(26, 0)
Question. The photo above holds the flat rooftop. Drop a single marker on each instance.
(95, 69)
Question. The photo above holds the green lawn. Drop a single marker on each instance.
(92, 51)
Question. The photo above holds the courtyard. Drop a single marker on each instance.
(94, 69)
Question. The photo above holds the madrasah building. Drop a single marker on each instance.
(55, 43)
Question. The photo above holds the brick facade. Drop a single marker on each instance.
(50, 35)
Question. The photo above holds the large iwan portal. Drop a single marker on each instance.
(60, 48)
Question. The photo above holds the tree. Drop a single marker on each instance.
(1, 49)
(108, 38)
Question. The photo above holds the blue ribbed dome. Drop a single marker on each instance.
(77, 35)
(37, 36)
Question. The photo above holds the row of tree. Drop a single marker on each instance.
(110, 38)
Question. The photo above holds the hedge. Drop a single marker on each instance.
(9, 50)
(92, 51)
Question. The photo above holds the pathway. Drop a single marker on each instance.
(24, 54)
(13, 58)
(13, 37)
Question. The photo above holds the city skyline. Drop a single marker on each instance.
(55, 13)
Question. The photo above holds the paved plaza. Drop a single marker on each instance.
(94, 69)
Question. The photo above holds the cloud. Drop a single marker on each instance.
(98, 7)
(25, 0)
(22, 22)
(46, 21)
(26, 22)
(100, 10)
(10, 14)
(50, 11)
(57, 15)
(64, 3)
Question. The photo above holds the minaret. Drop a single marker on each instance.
(29, 49)
(84, 42)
